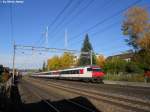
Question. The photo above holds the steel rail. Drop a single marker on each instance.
(42, 98)
(103, 97)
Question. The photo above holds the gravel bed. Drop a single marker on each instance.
(140, 93)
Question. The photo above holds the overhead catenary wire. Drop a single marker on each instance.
(75, 16)
(11, 25)
(65, 17)
(107, 28)
(79, 13)
(104, 20)
(59, 15)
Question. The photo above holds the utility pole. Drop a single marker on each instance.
(66, 39)
(91, 57)
(14, 54)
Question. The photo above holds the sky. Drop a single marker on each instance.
(26, 22)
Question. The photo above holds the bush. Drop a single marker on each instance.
(114, 65)
(133, 67)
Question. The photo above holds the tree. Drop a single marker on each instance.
(145, 42)
(1, 69)
(85, 58)
(44, 66)
(142, 58)
(114, 65)
(100, 60)
(133, 67)
(135, 25)
(61, 62)
(54, 63)
(67, 60)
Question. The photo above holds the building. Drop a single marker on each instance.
(125, 56)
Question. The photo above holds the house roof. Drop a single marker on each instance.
(122, 56)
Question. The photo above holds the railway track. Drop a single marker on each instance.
(59, 108)
(131, 104)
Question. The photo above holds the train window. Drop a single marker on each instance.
(77, 71)
(94, 69)
(48, 73)
(97, 70)
(70, 72)
(64, 72)
(73, 72)
(89, 69)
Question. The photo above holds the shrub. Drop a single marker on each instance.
(133, 67)
(114, 65)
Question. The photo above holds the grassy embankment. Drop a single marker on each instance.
(125, 77)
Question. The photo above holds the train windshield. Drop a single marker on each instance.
(94, 69)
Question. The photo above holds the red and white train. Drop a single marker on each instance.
(86, 73)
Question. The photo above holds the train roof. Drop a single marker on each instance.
(75, 68)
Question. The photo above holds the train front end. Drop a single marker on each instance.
(96, 73)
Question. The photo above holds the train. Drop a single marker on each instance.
(85, 73)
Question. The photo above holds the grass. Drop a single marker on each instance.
(125, 77)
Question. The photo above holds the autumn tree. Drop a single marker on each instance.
(100, 60)
(136, 26)
(54, 63)
(61, 62)
(85, 58)
(67, 60)
(145, 42)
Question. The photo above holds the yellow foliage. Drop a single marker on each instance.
(61, 62)
(100, 60)
(5, 76)
(145, 41)
(54, 63)
(137, 19)
(67, 60)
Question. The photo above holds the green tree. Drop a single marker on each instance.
(1, 69)
(44, 67)
(85, 58)
(143, 59)
(114, 65)
(133, 67)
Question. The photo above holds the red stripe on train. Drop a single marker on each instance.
(97, 74)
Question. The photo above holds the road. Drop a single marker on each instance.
(71, 96)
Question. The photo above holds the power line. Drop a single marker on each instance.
(81, 11)
(11, 24)
(104, 20)
(97, 32)
(75, 16)
(65, 17)
(60, 13)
